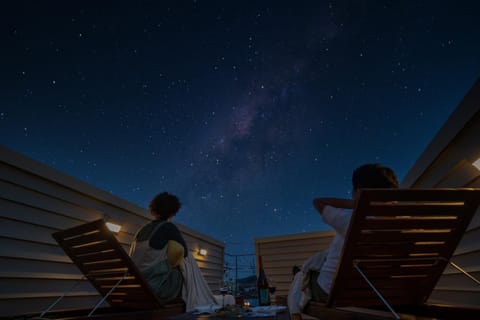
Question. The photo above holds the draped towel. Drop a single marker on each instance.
(299, 292)
(196, 291)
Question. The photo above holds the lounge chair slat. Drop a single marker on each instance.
(108, 272)
(407, 223)
(79, 230)
(97, 256)
(405, 273)
(373, 262)
(108, 282)
(419, 210)
(106, 264)
(397, 249)
(136, 304)
(405, 237)
(132, 298)
(98, 247)
(413, 272)
(136, 293)
(374, 301)
(422, 195)
(386, 282)
(87, 238)
(368, 293)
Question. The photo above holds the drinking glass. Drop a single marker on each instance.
(272, 288)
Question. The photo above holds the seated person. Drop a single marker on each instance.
(160, 252)
(315, 280)
(159, 248)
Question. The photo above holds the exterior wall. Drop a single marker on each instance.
(36, 201)
(281, 253)
(447, 162)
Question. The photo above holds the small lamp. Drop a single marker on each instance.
(202, 252)
(476, 164)
(113, 227)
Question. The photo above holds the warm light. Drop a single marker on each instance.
(113, 227)
(476, 164)
(202, 252)
(246, 304)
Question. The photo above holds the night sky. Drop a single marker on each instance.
(244, 109)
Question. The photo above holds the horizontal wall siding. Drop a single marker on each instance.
(280, 254)
(36, 201)
(211, 264)
(449, 171)
(25, 305)
(451, 167)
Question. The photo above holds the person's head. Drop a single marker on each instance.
(164, 206)
(373, 175)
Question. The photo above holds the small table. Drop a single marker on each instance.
(284, 315)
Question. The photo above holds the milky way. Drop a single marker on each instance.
(245, 110)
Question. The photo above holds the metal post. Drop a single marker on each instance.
(355, 265)
(236, 275)
(61, 297)
(108, 294)
(235, 287)
(456, 266)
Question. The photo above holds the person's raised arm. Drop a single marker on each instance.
(332, 212)
(320, 203)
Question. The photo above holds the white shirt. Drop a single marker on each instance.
(338, 219)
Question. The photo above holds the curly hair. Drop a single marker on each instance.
(374, 175)
(165, 205)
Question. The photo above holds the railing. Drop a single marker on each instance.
(238, 267)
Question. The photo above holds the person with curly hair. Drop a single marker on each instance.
(161, 253)
(159, 248)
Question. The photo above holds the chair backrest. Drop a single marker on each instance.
(402, 240)
(103, 261)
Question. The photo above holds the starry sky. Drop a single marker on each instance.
(244, 109)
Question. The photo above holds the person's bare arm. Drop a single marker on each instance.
(175, 253)
(320, 203)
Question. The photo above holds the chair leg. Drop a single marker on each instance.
(468, 275)
(108, 294)
(60, 298)
(355, 265)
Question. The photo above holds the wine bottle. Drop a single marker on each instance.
(262, 284)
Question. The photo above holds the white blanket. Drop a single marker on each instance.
(195, 291)
(299, 292)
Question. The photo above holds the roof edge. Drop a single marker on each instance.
(467, 108)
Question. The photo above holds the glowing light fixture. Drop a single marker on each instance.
(476, 164)
(113, 227)
(202, 252)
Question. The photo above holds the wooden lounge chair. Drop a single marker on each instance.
(397, 247)
(104, 262)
